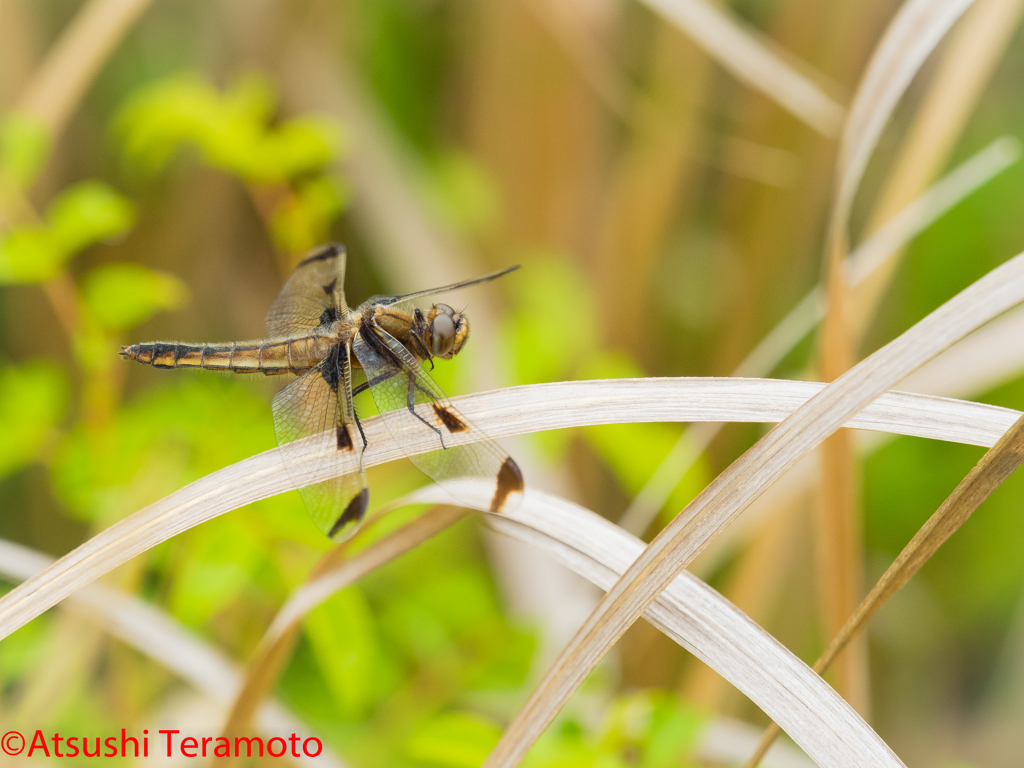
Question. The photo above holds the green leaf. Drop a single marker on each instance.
(654, 724)
(32, 402)
(462, 192)
(24, 146)
(216, 567)
(87, 213)
(29, 255)
(230, 130)
(120, 296)
(454, 740)
(343, 637)
(300, 146)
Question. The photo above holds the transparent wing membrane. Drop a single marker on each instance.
(411, 403)
(312, 294)
(311, 407)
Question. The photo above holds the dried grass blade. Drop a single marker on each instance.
(991, 471)
(500, 413)
(744, 481)
(57, 88)
(918, 27)
(870, 256)
(702, 621)
(276, 644)
(756, 60)
(162, 639)
(971, 54)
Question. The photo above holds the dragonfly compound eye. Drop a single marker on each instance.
(445, 308)
(442, 334)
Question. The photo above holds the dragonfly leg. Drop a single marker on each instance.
(410, 403)
(376, 380)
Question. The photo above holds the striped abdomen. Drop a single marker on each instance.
(267, 357)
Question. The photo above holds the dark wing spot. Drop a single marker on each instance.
(452, 422)
(329, 251)
(328, 316)
(329, 288)
(353, 513)
(344, 438)
(510, 480)
(329, 368)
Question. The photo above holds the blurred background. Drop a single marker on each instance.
(163, 166)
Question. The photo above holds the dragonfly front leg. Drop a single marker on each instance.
(410, 403)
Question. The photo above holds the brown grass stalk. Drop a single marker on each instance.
(998, 463)
(742, 482)
(914, 32)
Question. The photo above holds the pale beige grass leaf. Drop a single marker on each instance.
(998, 463)
(699, 619)
(917, 28)
(500, 413)
(161, 638)
(742, 482)
(963, 70)
(755, 60)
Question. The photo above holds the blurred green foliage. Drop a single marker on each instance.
(24, 145)
(83, 214)
(122, 296)
(648, 729)
(33, 398)
(232, 131)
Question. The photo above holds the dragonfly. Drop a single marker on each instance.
(386, 342)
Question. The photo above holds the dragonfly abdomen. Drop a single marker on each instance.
(267, 357)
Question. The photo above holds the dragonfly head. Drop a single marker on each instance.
(447, 331)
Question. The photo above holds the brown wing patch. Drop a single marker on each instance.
(510, 480)
(451, 422)
(345, 438)
(324, 253)
(353, 513)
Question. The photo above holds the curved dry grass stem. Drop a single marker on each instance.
(756, 60)
(57, 88)
(277, 642)
(991, 471)
(164, 640)
(702, 621)
(500, 413)
(911, 36)
(742, 482)
(972, 52)
(867, 259)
